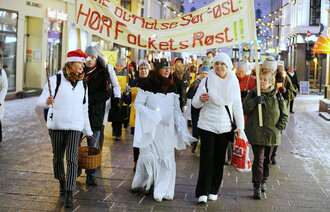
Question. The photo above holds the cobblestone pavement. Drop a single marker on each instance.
(299, 182)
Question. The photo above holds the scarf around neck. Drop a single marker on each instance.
(223, 91)
(72, 76)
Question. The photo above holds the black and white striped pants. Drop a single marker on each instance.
(65, 141)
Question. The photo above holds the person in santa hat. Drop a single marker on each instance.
(67, 118)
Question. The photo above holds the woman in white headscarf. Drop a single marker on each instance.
(219, 98)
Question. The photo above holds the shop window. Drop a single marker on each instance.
(8, 43)
(315, 12)
(126, 4)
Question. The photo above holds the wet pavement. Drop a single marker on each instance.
(299, 182)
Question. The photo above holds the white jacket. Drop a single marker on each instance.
(3, 92)
(213, 116)
(116, 92)
(69, 112)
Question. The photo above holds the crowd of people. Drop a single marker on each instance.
(153, 98)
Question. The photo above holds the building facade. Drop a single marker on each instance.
(33, 31)
(302, 24)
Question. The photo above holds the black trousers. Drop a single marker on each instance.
(291, 105)
(274, 153)
(65, 141)
(116, 128)
(212, 159)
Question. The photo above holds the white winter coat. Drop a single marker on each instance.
(213, 115)
(3, 92)
(69, 112)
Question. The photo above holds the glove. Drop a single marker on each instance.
(127, 90)
(282, 90)
(243, 94)
(116, 104)
(259, 100)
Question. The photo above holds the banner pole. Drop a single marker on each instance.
(258, 80)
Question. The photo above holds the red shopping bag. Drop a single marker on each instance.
(240, 159)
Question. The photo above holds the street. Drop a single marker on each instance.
(300, 181)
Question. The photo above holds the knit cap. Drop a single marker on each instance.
(204, 68)
(270, 63)
(91, 51)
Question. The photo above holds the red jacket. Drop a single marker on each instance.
(246, 85)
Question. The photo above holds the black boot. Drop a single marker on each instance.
(68, 199)
(257, 193)
(91, 180)
(62, 187)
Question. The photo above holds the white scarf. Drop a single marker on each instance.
(223, 91)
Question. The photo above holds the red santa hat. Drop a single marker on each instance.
(77, 56)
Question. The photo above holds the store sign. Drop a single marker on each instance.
(272, 50)
(55, 14)
(234, 21)
(311, 38)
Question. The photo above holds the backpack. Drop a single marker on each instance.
(58, 82)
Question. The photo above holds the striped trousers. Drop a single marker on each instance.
(65, 141)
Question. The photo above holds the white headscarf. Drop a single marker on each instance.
(223, 91)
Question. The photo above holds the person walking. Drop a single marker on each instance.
(159, 128)
(204, 71)
(144, 69)
(3, 93)
(293, 77)
(284, 87)
(119, 113)
(67, 118)
(263, 139)
(219, 98)
(99, 91)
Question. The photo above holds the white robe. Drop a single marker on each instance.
(159, 128)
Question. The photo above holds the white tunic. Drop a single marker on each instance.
(159, 128)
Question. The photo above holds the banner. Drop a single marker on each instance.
(219, 24)
(111, 56)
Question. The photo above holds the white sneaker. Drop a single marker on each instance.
(202, 199)
(213, 197)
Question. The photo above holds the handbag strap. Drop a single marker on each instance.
(231, 121)
(207, 89)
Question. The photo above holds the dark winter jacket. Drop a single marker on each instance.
(137, 82)
(274, 116)
(294, 81)
(191, 93)
(99, 91)
(155, 84)
(182, 85)
(290, 92)
(120, 113)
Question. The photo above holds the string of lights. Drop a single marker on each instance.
(270, 24)
(169, 8)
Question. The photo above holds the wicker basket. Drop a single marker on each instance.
(89, 157)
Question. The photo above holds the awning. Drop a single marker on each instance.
(322, 44)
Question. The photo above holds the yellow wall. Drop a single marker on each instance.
(35, 29)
